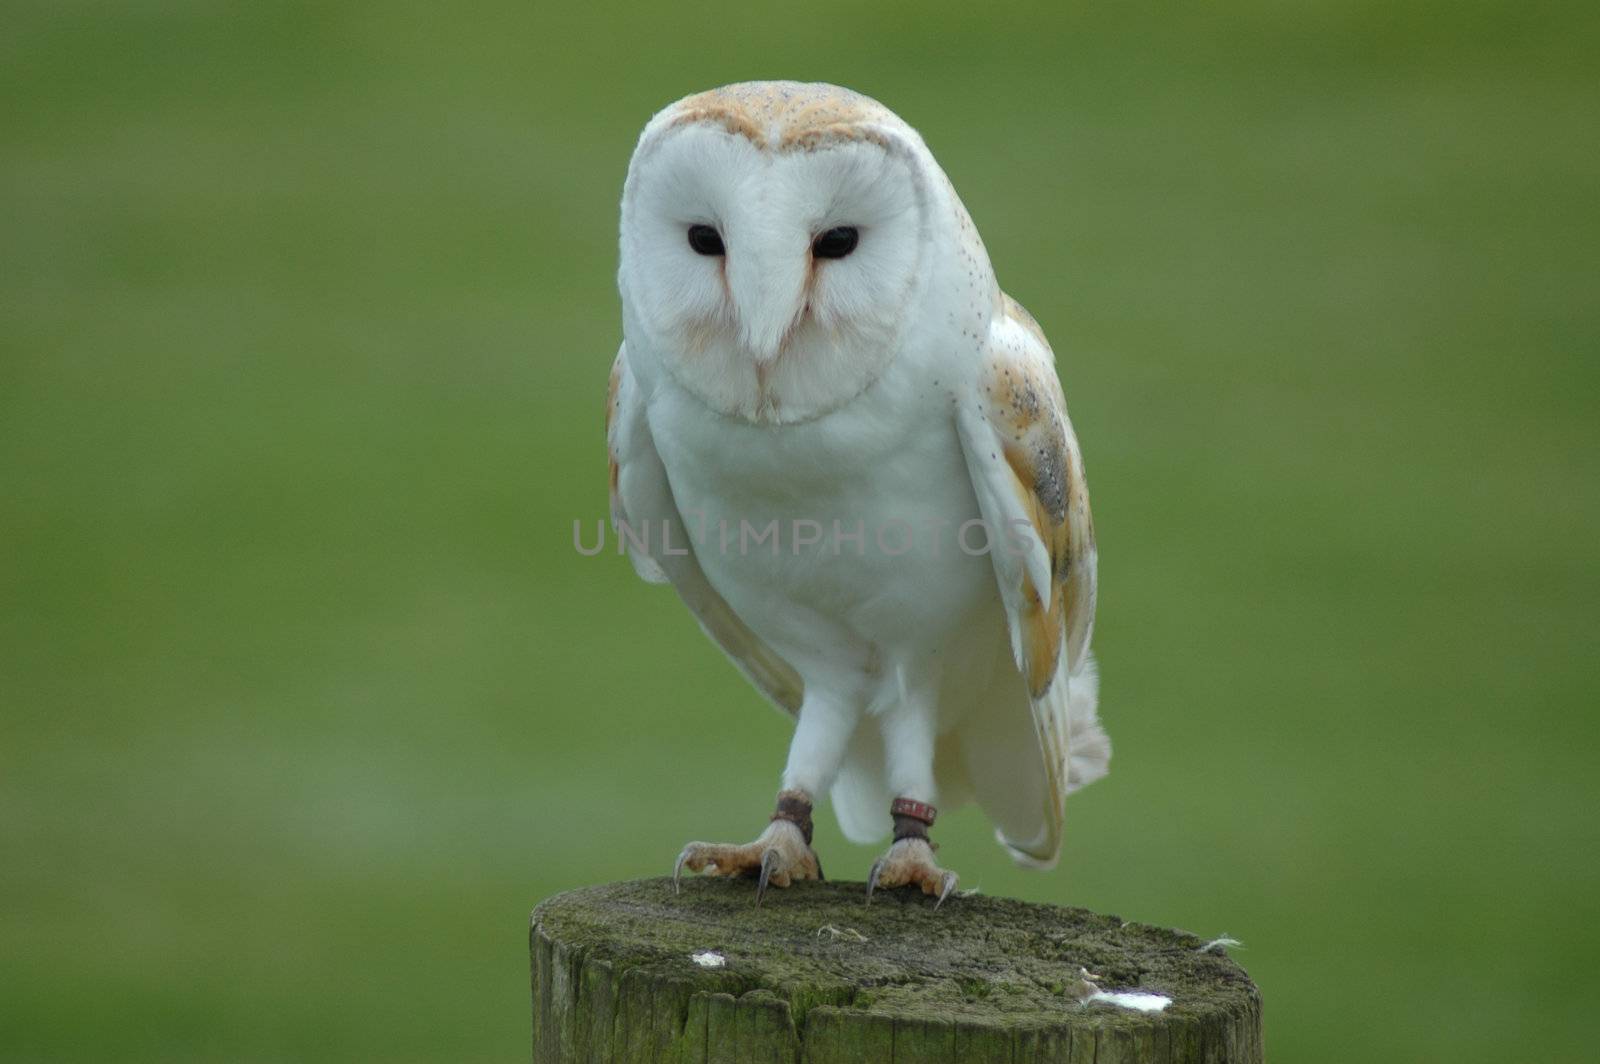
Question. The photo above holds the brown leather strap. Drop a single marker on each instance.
(912, 818)
(795, 807)
(912, 808)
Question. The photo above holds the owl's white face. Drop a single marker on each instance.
(772, 280)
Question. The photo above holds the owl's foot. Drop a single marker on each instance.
(910, 859)
(781, 855)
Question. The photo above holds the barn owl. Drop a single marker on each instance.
(849, 453)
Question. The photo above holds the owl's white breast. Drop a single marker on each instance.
(888, 464)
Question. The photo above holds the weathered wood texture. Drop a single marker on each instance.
(815, 975)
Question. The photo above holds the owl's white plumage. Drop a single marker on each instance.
(894, 388)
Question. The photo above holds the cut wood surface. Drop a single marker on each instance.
(815, 974)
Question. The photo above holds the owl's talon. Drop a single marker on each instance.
(909, 862)
(769, 861)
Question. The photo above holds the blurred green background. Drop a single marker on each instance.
(307, 309)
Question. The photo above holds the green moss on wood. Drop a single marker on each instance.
(817, 975)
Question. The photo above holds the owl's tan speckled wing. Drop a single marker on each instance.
(642, 497)
(1028, 475)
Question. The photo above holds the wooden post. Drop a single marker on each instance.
(630, 972)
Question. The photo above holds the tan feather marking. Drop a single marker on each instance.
(812, 138)
(1041, 631)
(787, 115)
(732, 120)
(1041, 624)
(1025, 405)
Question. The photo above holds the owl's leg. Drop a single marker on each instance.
(783, 852)
(908, 740)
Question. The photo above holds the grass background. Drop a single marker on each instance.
(306, 312)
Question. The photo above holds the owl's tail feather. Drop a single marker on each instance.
(1087, 741)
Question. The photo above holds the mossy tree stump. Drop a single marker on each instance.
(816, 975)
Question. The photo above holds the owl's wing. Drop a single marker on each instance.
(1028, 476)
(642, 497)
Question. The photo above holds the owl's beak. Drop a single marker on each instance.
(769, 287)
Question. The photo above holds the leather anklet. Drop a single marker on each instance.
(912, 818)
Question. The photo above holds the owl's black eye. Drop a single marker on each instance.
(835, 243)
(706, 240)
